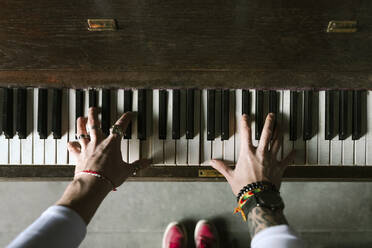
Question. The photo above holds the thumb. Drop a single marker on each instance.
(222, 168)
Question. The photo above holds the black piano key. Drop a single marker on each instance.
(141, 114)
(259, 113)
(176, 114)
(8, 113)
(329, 115)
(293, 115)
(211, 109)
(92, 98)
(225, 114)
(343, 115)
(273, 104)
(162, 114)
(79, 103)
(57, 114)
(128, 104)
(246, 103)
(357, 115)
(105, 110)
(308, 114)
(21, 124)
(42, 113)
(190, 114)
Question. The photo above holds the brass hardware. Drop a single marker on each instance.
(209, 173)
(102, 25)
(342, 27)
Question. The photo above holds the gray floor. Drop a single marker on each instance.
(325, 214)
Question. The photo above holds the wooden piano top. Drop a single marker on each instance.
(235, 44)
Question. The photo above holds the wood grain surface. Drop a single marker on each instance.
(232, 44)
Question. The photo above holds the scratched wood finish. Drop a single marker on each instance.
(235, 44)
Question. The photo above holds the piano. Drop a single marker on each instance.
(190, 69)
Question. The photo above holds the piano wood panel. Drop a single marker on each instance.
(235, 44)
(186, 173)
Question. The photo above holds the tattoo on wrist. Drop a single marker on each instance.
(260, 218)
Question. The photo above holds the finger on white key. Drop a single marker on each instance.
(229, 144)
(287, 143)
(241, 98)
(207, 99)
(120, 111)
(134, 142)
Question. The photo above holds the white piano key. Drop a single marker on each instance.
(369, 129)
(193, 149)
(27, 144)
(336, 143)
(169, 143)
(299, 144)
(252, 117)
(39, 144)
(181, 144)
(15, 142)
(86, 102)
(287, 144)
(50, 143)
(238, 116)
(71, 122)
(120, 110)
(4, 143)
(113, 106)
(206, 145)
(360, 144)
(157, 144)
(62, 142)
(348, 143)
(217, 143)
(323, 144)
(312, 144)
(134, 142)
(279, 120)
(146, 144)
(229, 145)
(99, 95)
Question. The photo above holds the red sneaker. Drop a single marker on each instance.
(175, 236)
(206, 235)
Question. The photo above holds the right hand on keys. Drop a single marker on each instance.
(256, 163)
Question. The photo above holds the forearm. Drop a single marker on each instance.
(84, 195)
(260, 218)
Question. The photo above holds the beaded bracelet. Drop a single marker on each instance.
(97, 174)
(257, 185)
(243, 200)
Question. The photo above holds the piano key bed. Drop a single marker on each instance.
(182, 129)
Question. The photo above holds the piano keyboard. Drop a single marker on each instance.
(188, 127)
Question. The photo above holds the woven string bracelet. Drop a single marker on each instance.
(97, 174)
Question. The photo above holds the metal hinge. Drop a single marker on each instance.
(342, 27)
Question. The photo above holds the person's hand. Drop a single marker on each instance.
(103, 155)
(255, 163)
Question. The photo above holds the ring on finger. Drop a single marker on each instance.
(117, 129)
(83, 136)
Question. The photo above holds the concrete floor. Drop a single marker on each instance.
(326, 214)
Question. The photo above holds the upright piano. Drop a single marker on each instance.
(190, 69)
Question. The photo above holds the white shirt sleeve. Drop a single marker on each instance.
(281, 236)
(57, 227)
